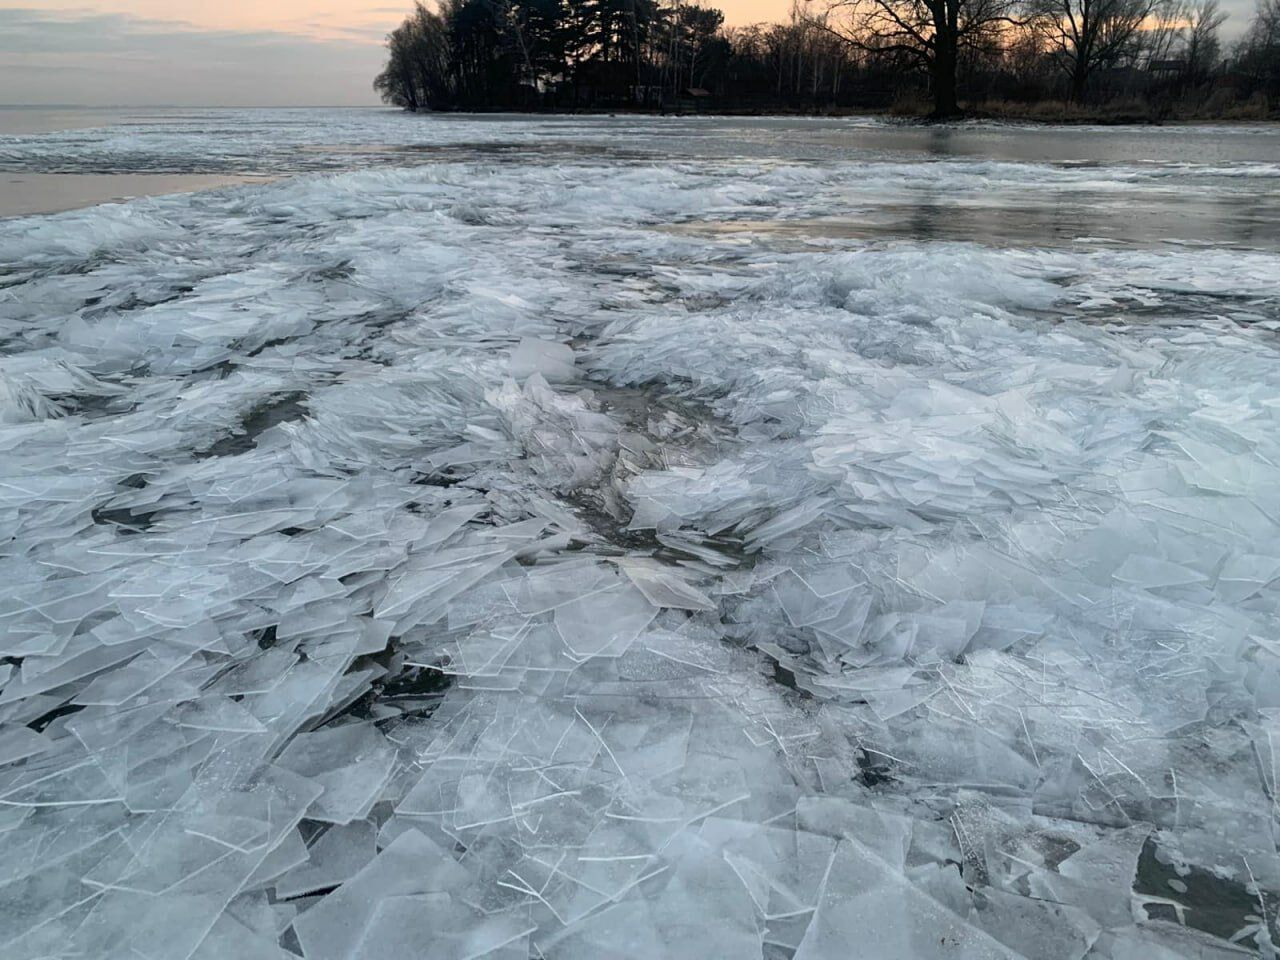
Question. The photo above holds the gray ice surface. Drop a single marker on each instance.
(500, 557)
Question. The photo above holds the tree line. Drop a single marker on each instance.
(672, 55)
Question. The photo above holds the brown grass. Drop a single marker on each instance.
(1218, 105)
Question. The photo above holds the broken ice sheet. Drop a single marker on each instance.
(350, 762)
(787, 522)
(1098, 878)
(1036, 929)
(441, 926)
(604, 623)
(868, 902)
(1028, 557)
(805, 606)
(185, 870)
(410, 865)
(289, 853)
(701, 911)
(1152, 572)
(340, 853)
(663, 587)
(484, 651)
(231, 938)
(19, 742)
(553, 361)
(545, 588)
(781, 868)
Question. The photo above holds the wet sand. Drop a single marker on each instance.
(23, 194)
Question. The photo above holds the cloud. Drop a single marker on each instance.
(97, 58)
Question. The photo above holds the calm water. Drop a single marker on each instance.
(996, 183)
(26, 120)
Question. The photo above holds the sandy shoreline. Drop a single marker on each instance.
(25, 194)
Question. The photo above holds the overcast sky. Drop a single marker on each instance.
(231, 52)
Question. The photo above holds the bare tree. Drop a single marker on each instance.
(1264, 31)
(1202, 49)
(1084, 35)
(1258, 53)
(396, 83)
(1160, 33)
(419, 62)
(930, 33)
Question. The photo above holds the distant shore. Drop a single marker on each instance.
(1047, 113)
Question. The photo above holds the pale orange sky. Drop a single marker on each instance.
(213, 52)
(321, 19)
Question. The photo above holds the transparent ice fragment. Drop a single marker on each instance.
(351, 763)
(868, 902)
(604, 623)
(544, 589)
(289, 853)
(19, 742)
(339, 854)
(663, 588)
(787, 522)
(803, 605)
(231, 938)
(1153, 572)
(1099, 877)
(412, 864)
(552, 361)
(703, 911)
(781, 868)
(439, 926)
(1036, 929)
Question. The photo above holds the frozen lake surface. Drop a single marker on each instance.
(641, 538)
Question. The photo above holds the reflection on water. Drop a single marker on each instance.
(16, 121)
(1167, 219)
(287, 140)
(986, 182)
(1080, 145)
